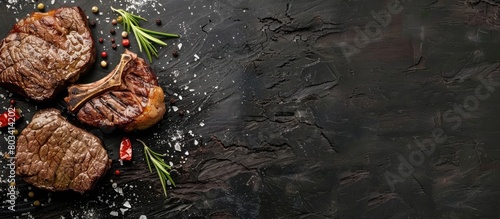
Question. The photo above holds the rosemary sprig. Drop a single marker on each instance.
(145, 38)
(161, 167)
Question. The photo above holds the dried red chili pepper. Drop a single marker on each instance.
(126, 149)
(9, 117)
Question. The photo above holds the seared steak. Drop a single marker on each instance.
(129, 98)
(45, 52)
(55, 155)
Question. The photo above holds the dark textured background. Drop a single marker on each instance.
(288, 127)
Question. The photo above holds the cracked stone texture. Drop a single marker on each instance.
(292, 128)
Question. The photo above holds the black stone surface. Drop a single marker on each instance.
(302, 109)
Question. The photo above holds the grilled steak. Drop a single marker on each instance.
(129, 98)
(55, 155)
(45, 52)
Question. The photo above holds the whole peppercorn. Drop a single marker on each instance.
(113, 46)
(119, 19)
(181, 113)
(117, 172)
(31, 194)
(112, 31)
(124, 34)
(104, 64)
(158, 22)
(12, 101)
(112, 40)
(36, 203)
(114, 22)
(175, 53)
(95, 9)
(101, 40)
(40, 6)
(104, 55)
(126, 42)
(92, 23)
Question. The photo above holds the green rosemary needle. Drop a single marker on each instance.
(161, 167)
(145, 38)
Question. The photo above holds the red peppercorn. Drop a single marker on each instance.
(126, 42)
(112, 40)
(113, 46)
(117, 172)
(104, 55)
(12, 101)
(101, 40)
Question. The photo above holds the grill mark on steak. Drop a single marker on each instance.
(45, 52)
(116, 99)
(52, 154)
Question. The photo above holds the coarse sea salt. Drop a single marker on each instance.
(127, 204)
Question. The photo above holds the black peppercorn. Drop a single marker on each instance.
(175, 53)
(158, 22)
(112, 31)
(112, 40)
(113, 46)
(92, 23)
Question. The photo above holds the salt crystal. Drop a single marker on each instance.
(196, 57)
(170, 162)
(123, 210)
(187, 153)
(127, 204)
(114, 213)
(143, 217)
(175, 108)
(177, 146)
(202, 124)
(195, 143)
(179, 46)
(114, 185)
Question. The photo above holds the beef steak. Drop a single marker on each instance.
(53, 154)
(45, 52)
(129, 98)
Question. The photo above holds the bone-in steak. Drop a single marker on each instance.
(55, 155)
(45, 52)
(129, 98)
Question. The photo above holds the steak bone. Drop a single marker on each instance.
(81, 93)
